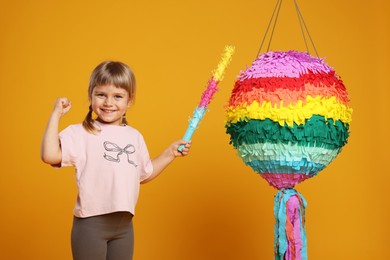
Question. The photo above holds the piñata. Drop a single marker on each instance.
(288, 117)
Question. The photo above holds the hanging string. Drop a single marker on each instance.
(302, 25)
(301, 20)
(273, 28)
(278, 4)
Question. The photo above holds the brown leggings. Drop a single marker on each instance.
(103, 237)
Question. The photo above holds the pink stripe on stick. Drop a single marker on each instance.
(207, 95)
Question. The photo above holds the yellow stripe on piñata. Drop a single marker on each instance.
(223, 63)
(297, 113)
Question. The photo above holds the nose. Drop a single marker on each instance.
(108, 101)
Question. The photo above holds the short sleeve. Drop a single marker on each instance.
(146, 161)
(70, 145)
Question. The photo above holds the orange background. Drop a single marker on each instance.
(209, 205)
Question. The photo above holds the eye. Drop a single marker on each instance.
(99, 94)
(118, 97)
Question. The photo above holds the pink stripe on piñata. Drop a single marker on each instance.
(284, 180)
(284, 64)
(208, 93)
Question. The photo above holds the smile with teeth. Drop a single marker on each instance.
(108, 110)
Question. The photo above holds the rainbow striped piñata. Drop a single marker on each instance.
(288, 117)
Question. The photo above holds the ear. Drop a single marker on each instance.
(129, 103)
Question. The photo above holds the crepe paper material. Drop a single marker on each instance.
(286, 152)
(316, 132)
(288, 96)
(280, 180)
(321, 80)
(288, 117)
(289, 231)
(290, 167)
(285, 64)
(288, 114)
(207, 95)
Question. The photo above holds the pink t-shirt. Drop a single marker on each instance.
(109, 167)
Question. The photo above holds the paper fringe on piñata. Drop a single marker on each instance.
(208, 93)
(288, 117)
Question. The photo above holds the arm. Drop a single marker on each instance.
(50, 146)
(166, 157)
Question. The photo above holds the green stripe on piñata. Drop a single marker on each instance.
(316, 132)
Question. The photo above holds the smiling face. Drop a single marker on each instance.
(109, 104)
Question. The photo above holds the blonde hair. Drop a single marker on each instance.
(109, 73)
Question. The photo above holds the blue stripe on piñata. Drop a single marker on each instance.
(303, 166)
(286, 152)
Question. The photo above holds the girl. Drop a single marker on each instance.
(111, 160)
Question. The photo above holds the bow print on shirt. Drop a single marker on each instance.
(111, 147)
